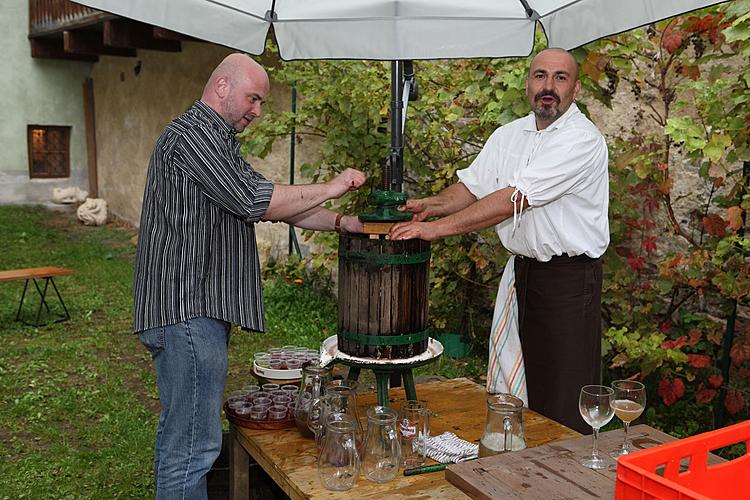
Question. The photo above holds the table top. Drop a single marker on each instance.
(551, 470)
(33, 272)
(459, 406)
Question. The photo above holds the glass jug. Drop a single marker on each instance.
(314, 379)
(382, 445)
(503, 430)
(338, 463)
(340, 396)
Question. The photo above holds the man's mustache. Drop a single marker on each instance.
(545, 93)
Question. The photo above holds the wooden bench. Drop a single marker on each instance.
(33, 274)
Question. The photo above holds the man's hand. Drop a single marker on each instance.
(421, 208)
(348, 180)
(410, 230)
(351, 224)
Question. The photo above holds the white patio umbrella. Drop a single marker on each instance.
(397, 29)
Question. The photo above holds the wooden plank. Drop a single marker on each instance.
(135, 35)
(239, 467)
(33, 273)
(52, 48)
(549, 471)
(459, 406)
(90, 42)
(89, 118)
(374, 297)
(377, 227)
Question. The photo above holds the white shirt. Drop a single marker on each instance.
(562, 172)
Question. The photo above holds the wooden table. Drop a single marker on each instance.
(459, 406)
(550, 471)
(33, 274)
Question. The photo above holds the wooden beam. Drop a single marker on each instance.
(89, 116)
(52, 48)
(90, 42)
(165, 34)
(128, 34)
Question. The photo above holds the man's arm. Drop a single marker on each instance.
(489, 211)
(322, 219)
(448, 201)
(289, 201)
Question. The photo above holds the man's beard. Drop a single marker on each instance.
(230, 114)
(547, 114)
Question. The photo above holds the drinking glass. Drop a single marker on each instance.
(338, 462)
(382, 445)
(628, 402)
(595, 405)
(414, 427)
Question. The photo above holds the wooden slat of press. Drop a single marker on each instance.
(33, 273)
(459, 407)
(549, 471)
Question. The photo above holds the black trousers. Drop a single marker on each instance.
(559, 318)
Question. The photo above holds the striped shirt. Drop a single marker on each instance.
(197, 254)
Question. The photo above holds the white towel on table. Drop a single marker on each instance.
(447, 448)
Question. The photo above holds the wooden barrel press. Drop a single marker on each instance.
(383, 296)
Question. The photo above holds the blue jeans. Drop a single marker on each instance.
(191, 367)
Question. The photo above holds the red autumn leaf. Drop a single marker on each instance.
(692, 72)
(636, 262)
(666, 327)
(679, 387)
(739, 352)
(672, 40)
(699, 360)
(704, 394)
(670, 392)
(734, 402)
(734, 216)
(649, 244)
(715, 380)
(694, 337)
(715, 225)
(674, 344)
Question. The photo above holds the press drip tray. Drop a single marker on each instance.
(329, 353)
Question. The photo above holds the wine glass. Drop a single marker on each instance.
(629, 401)
(595, 405)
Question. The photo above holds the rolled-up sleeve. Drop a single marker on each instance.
(576, 159)
(227, 181)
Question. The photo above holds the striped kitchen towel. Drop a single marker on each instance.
(505, 371)
(447, 448)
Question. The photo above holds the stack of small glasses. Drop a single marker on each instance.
(269, 402)
(288, 357)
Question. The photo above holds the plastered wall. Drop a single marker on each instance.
(136, 97)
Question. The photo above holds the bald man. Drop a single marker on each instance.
(197, 269)
(542, 181)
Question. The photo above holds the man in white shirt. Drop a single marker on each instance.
(542, 181)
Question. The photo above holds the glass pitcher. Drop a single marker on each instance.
(503, 430)
(340, 396)
(338, 462)
(382, 445)
(314, 379)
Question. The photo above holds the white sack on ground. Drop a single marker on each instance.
(93, 212)
(68, 195)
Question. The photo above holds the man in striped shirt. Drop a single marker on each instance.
(197, 269)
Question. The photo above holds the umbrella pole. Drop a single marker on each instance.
(394, 171)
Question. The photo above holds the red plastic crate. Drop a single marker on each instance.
(637, 477)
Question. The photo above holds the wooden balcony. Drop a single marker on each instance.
(60, 29)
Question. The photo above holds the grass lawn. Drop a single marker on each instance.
(79, 401)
